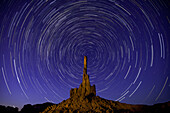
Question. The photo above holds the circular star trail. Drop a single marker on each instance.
(43, 43)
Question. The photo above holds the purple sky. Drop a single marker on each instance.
(43, 43)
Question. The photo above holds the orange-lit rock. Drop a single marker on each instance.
(85, 88)
(84, 100)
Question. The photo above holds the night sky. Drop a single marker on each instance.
(43, 43)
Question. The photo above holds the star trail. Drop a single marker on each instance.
(43, 43)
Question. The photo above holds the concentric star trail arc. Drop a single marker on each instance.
(43, 43)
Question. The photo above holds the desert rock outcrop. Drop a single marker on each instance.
(85, 88)
(84, 100)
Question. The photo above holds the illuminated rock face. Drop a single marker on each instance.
(85, 88)
(84, 100)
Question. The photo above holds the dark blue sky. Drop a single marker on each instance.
(43, 43)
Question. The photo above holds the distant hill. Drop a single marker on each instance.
(28, 108)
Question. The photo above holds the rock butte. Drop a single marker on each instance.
(85, 88)
(84, 100)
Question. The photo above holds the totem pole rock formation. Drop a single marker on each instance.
(84, 100)
(85, 89)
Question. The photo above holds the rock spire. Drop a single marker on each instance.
(85, 65)
(85, 89)
(84, 100)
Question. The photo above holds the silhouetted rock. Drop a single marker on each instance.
(35, 108)
(27, 108)
(8, 109)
